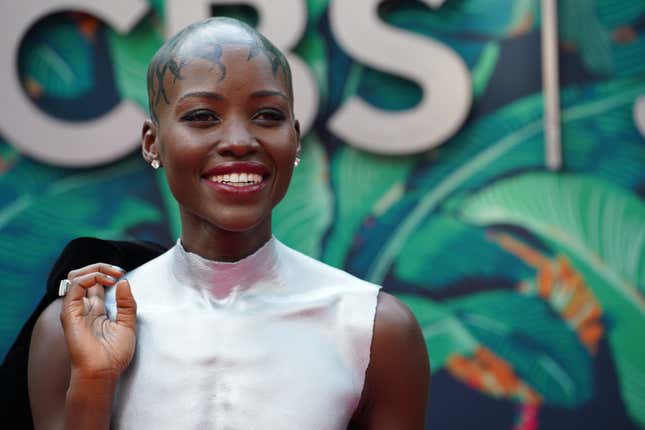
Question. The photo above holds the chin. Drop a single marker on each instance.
(240, 224)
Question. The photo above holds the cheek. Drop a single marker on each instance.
(284, 157)
(182, 149)
(182, 163)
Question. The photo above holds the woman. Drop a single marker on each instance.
(230, 328)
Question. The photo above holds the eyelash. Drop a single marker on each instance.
(193, 116)
(265, 116)
(274, 115)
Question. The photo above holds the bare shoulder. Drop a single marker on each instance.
(398, 376)
(394, 318)
(49, 368)
(397, 340)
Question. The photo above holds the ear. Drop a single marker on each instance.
(149, 141)
(296, 126)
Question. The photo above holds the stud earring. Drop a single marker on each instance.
(296, 161)
(155, 164)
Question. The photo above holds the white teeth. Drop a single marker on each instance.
(237, 178)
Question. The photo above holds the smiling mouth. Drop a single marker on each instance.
(237, 179)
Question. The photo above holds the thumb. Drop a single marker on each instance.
(126, 307)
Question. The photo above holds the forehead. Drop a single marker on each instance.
(223, 68)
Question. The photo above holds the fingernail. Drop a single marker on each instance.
(118, 268)
(111, 278)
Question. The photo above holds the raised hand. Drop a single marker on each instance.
(99, 348)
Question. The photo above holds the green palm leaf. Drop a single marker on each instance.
(602, 229)
(365, 185)
(444, 250)
(59, 58)
(523, 330)
(312, 48)
(512, 140)
(541, 348)
(613, 13)
(590, 25)
(158, 6)
(444, 332)
(316, 9)
(131, 54)
(303, 217)
(52, 206)
(493, 18)
(451, 25)
(578, 23)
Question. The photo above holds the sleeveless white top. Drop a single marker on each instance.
(275, 341)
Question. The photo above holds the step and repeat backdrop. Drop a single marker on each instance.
(422, 170)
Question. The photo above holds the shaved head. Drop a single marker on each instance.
(206, 40)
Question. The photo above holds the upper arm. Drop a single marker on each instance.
(398, 376)
(49, 370)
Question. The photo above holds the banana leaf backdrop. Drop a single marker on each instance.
(529, 285)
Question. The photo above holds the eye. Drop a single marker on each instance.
(200, 116)
(269, 116)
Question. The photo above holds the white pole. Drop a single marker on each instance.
(550, 84)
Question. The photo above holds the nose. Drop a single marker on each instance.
(236, 139)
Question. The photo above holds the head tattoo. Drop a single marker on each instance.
(206, 40)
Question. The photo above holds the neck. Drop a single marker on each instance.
(214, 243)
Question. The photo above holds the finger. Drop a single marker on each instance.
(93, 279)
(73, 304)
(96, 291)
(126, 307)
(78, 303)
(108, 269)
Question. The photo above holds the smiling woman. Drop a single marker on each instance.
(229, 328)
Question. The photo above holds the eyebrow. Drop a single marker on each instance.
(269, 93)
(201, 94)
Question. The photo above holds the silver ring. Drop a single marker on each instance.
(64, 287)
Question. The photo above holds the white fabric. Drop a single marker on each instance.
(274, 341)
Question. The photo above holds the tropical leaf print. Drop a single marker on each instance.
(316, 8)
(488, 373)
(312, 48)
(305, 214)
(561, 286)
(579, 28)
(452, 25)
(131, 54)
(484, 18)
(606, 34)
(365, 185)
(507, 345)
(443, 331)
(446, 251)
(614, 13)
(600, 228)
(540, 348)
(158, 6)
(56, 58)
(503, 143)
(53, 206)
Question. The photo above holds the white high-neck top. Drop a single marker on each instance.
(275, 341)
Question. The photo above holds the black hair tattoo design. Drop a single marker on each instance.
(203, 40)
